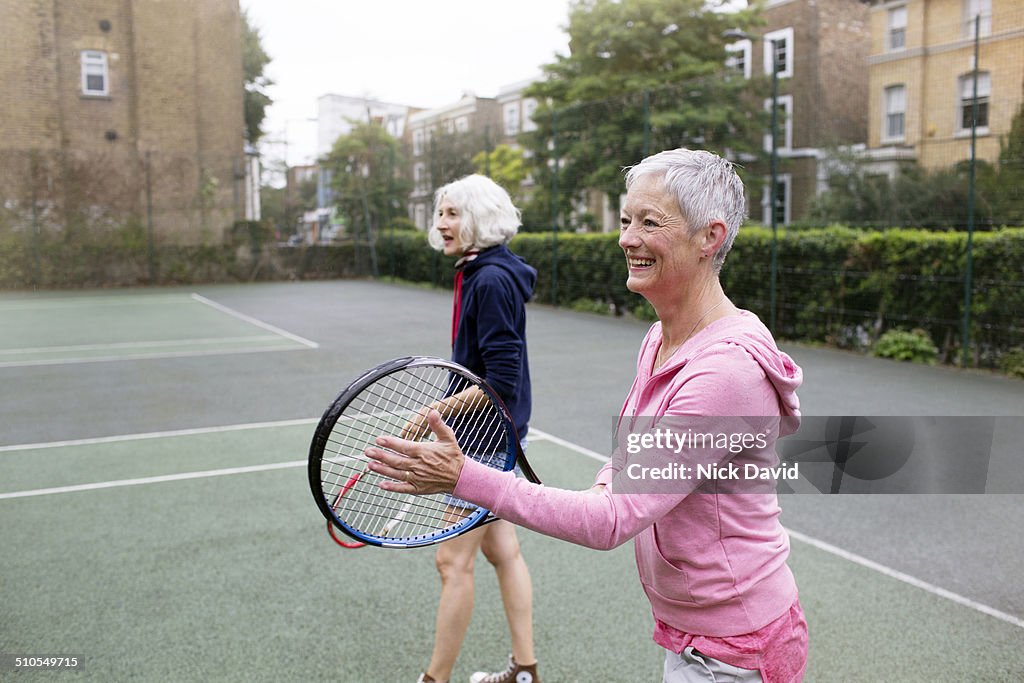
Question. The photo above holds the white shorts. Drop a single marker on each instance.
(692, 666)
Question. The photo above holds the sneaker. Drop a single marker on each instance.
(427, 678)
(515, 673)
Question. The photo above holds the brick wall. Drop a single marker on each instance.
(173, 115)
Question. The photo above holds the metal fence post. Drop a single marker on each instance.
(968, 275)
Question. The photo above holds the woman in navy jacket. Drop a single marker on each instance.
(474, 219)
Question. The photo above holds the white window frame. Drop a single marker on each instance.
(786, 180)
(965, 93)
(888, 111)
(510, 118)
(786, 123)
(420, 213)
(973, 8)
(418, 136)
(529, 106)
(95, 63)
(743, 47)
(896, 25)
(419, 173)
(784, 35)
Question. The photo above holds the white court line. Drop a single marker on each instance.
(544, 436)
(253, 321)
(152, 480)
(534, 433)
(33, 304)
(832, 549)
(138, 344)
(146, 356)
(906, 578)
(158, 435)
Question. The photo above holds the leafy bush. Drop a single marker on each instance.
(1012, 362)
(915, 346)
(591, 306)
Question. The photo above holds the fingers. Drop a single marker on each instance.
(441, 430)
(417, 466)
(389, 465)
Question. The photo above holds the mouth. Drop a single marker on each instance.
(639, 263)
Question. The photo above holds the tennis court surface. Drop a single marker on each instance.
(156, 522)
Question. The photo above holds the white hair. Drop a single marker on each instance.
(487, 216)
(706, 187)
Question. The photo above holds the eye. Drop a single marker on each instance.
(650, 224)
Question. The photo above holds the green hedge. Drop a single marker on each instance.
(834, 285)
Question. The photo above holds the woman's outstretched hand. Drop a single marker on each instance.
(419, 467)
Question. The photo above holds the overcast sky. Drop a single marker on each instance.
(423, 53)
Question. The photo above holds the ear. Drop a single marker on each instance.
(713, 237)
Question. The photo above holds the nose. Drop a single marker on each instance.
(628, 236)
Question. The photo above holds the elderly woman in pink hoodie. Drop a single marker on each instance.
(712, 560)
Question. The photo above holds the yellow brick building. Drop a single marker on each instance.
(922, 79)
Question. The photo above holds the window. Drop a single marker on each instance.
(511, 118)
(529, 106)
(784, 123)
(778, 50)
(417, 142)
(967, 101)
(419, 172)
(973, 9)
(421, 217)
(897, 28)
(782, 200)
(893, 127)
(95, 75)
(739, 57)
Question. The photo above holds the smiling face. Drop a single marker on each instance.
(449, 226)
(663, 258)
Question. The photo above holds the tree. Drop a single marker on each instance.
(914, 198)
(365, 167)
(450, 153)
(642, 76)
(1004, 186)
(254, 60)
(505, 166)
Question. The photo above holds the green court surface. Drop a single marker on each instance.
(67, 329)
(201, 556)
(156, 519)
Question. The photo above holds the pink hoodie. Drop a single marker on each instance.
(713, 565)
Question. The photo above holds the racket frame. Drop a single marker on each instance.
(321, 437)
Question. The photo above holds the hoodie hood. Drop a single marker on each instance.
(747, 331)
(523, 274)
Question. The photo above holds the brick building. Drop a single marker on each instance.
(473, 122)
(922, 79)
(821, 49)
(121, 110)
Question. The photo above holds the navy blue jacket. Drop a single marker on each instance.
(491, 337)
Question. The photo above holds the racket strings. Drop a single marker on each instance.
(389, 406)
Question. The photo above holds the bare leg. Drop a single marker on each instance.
(501, 548)
(455, 559)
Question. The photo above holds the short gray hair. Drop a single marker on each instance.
(706, 187)
(487, 216)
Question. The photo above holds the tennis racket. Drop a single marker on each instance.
(393, 399)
